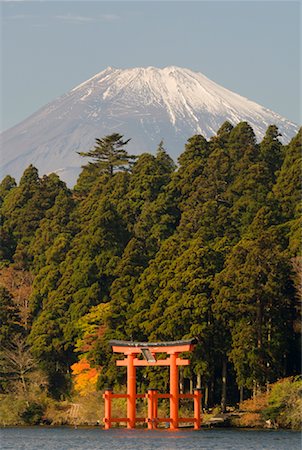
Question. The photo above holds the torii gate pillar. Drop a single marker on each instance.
(174, 399)
(131, 391)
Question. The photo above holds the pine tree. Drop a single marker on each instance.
(109, 154)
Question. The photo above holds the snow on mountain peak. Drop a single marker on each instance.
(147, 104)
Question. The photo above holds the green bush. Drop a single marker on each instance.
(33, 413)
(285, 403)
(272, 412)
(11, 416)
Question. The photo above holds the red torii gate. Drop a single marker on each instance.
(148, 349)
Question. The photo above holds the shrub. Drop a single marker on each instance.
(33, 413)
(11, 416)
(254, 404)
(250, 419)
(285, 403)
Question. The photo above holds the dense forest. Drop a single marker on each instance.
(144, 249)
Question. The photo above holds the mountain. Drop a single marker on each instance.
(144, 104)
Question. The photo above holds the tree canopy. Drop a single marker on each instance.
(142, 248)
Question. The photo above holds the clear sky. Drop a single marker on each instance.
(48, 47)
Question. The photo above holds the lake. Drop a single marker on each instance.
(43, 438)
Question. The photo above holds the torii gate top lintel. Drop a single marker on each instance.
(128, 347)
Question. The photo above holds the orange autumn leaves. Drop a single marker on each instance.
(91, 329)
(85, 377)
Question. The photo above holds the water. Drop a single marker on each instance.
(41, 438)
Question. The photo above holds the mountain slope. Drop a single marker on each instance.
(144, 104)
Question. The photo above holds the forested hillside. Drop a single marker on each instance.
(142, 249)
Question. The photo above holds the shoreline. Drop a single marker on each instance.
(141, 428)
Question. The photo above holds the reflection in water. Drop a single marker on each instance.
(154, 434)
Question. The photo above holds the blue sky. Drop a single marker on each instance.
(48, 47)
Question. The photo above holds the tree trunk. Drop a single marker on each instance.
(269, 347)
(211, 393)
(181, 380)
(241, 394)
(254, 391)
(198, 381)
(224, 385)
(24, 387)
(206, 396)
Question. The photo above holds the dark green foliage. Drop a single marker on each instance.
(191, 163)
(271, 150)
(23, 209)
(165, 161)
(283, 403)
(8, 317)
(7, 184)
(161, 252)
(33, 414)
(55, 227)
(108, 156)
(254, 300)
(222, 136)
(288, 185)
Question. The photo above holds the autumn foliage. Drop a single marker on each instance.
(85, 377)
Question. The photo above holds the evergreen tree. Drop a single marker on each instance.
(287, 189)
(271, 150)
(107, 156)
(165, 161)
(254, 299)
(8, 317)
(222, 135)
(49, 247)
(191, 164)
(55, 223)
(24, 207)
(155, 221)
(74, 283)
(6, 185)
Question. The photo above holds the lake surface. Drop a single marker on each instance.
(40, 438)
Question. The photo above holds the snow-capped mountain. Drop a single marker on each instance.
(144, 104)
